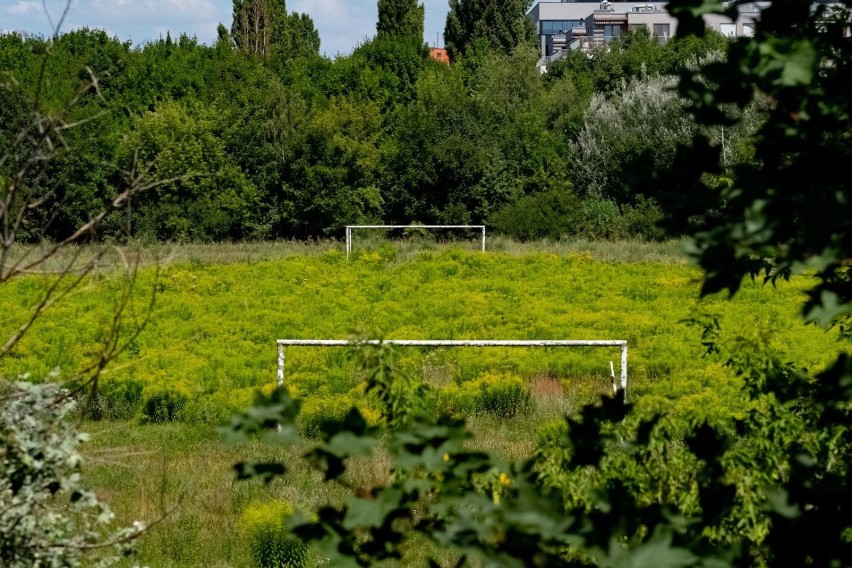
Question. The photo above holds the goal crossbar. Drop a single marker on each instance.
(620, 343)
(350, 228)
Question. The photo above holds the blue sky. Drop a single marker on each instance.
(342, 23)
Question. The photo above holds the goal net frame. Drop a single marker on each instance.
(351, 228)
(566, 343)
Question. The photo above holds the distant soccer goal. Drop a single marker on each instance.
(351, 228)
(620, 343)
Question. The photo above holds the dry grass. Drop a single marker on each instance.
(183, 472)
(117, 257)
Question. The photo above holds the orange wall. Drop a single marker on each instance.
(439, 54)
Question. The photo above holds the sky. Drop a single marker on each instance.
(343, 24)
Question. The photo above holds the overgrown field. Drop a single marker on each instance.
(211, 343)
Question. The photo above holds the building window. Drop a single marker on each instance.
(728, 30)
(551, 27)
(662, 30)
(612, 30)
(748, 30)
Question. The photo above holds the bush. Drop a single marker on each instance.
(503, 396)
(217, 407)
(547, 215)
(47, 516)
(555, 214)
(115, 400)
(319, 414)
(272, 546)
(643, 218)
(162, 403)
(600, 218)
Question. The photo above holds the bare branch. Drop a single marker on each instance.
(88, 227)
(48, 299)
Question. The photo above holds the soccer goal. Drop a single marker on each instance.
(351, 228)
(620, 343)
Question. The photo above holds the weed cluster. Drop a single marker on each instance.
(504, 396)
(272, 546)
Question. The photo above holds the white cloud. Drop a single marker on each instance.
(143, 12)
(22, 7)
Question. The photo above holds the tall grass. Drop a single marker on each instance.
(220, 308)
(167, 254)
(212, 339)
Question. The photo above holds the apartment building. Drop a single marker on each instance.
(565, 25)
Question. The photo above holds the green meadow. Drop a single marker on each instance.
(211, 343)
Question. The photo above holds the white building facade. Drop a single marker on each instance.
(564, 26)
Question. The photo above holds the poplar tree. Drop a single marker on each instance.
(258, 25)
(401, 19)
(263, 27)
(303, 39)
(501, 25)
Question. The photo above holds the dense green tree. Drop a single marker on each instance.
(637, 54)
(258, 25)
(263, 27)
(303, 39)
(395, 65)
(487, 24)
(401, 19)
(209, 199)
(498, 132)
(223, 38)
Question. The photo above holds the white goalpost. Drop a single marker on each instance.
(351, 228)
(620, 343)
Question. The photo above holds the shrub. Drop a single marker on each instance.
(503, 396)
(549, 214)
(47, 516)
(161, 403)
(643, 217)
(555, 214)
(115, 400)
(600, 218)
(272, 546)
(319, 414)
(217, 407)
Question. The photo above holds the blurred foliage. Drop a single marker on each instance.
(634, 484)
(48, 517)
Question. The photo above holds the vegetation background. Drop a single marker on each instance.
(724, 451)
(296, 145)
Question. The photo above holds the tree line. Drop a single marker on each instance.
(271, 139)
